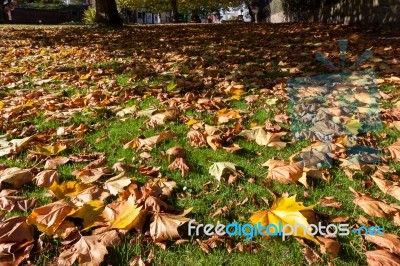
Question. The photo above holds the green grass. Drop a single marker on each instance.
(190, 190)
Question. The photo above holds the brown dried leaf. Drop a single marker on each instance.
(283, 172)
(176, 151)
(46, 178)
(89, 250)
(373, 207)
(196, 139)
(381, 257)
(181, 164)
(164, 226)
(49, 217)
(386, 241)
(329, 245)
(330, 202)
(90, 175)
(265, 138)
(16, 176)
(394, 150)
(117, 183)
(388, 187)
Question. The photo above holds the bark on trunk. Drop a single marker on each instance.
(174, 7)
(3, 16)
(107, 13)
(253, 18)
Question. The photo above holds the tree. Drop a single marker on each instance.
(107, 13)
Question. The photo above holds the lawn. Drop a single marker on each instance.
(85, 105)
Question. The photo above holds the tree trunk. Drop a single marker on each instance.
(262, 14)
(253, 18)
(107, 13)
(174, 7)
(3, 17)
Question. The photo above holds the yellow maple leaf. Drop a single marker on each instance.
(49, 150)
(67, 189)
(90, 213)
(128, 215)
(192, 121)
(286, 218)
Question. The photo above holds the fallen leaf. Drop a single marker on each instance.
(386, 241)
(90, 175)
(264, 138)
(381, 257)
(90, 214)
(388, 187)
(196, 139)
(283, 172)
(164, 226)
(329, 245)
(394, 150)
(47, 218)
(373, 207)
(50, 150)
(117, 183)
(14, 146)
(286, 211)
(218, 169)
(176, 151)
(127, 215)
(45, 179)
(89, 250)
(181, 164)
(16, 176)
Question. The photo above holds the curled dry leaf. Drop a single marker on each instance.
(372, 206)
(90, 175)
(117, 183)
(388, 187)
(233, 148)
(48, 218)
(214, 142)
(89, 250)
(330, 202)
(164, 226)
(329, 245)
(196, 139)
(93, 193)
(148, 142)
(311, 255)
(161, 118)
(14, 146)
(283, 172)
(15, 203)
(386, 241)
(176, 151)
(394, 150)
(16, 176)
(16, 241)
(46, 178)
(381, 257)
(265, 138)
(181, 164)
(53, 163)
